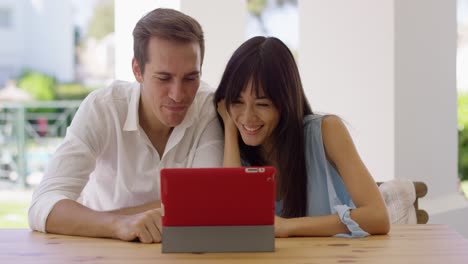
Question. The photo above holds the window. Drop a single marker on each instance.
(5, 18)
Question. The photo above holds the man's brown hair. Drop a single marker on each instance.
(166, 24)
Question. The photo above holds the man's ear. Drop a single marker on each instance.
(137, 71)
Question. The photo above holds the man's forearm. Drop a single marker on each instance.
(71, 218)
(137, 209)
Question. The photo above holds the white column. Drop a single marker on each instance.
(127, 14)
(223, 23)
(425, 93)
(388, 69)
(425, 111)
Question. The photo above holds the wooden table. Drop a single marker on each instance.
(404, 244)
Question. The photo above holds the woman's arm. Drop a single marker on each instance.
(318, 226)
(370, 213)
(231, 139)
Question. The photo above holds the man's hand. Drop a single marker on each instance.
(146, 226)
(281, 227)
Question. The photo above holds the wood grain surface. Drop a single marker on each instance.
(405, 244)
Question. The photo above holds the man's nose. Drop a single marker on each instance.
(176, 92)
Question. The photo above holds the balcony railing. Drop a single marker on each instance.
(29, 134)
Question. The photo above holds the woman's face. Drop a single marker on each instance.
(255, 117)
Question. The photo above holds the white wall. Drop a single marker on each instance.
(346, 59)
(425, 93)
(388, 68)
(224, 32)
(49, 38)
(391, 77)
(41, 38)
(12, 46)
(11, 36)
(221, 38)
(425, 112)
(127, 14)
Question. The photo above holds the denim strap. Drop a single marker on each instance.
(353, 227)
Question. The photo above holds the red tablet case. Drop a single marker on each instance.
(218, 196)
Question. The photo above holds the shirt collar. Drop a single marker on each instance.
(132, 121)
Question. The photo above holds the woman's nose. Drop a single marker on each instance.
(249, 113)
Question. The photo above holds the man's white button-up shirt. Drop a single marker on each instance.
(106, 160)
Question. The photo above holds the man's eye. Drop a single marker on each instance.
(191, 78)
(164, 79)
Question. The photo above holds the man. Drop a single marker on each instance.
(103, 180)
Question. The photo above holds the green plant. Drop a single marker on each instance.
(39, 85)
(102, 21)
(71, 91)
(463, 136)
(13, 214)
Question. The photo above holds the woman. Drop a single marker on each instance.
(268, 121)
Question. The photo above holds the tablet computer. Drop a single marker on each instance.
(218, 209)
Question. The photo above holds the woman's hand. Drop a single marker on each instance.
(231, 144)
(228, 123)
(281, 227)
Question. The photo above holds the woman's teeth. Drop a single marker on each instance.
(252, 129)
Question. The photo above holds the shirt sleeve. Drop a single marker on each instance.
(68, 171)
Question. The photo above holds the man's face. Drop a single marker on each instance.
(170, 81)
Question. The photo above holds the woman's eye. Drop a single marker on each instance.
(263, 105)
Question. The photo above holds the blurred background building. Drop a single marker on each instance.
(36, 35)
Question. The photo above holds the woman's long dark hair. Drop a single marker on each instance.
(269, 65)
